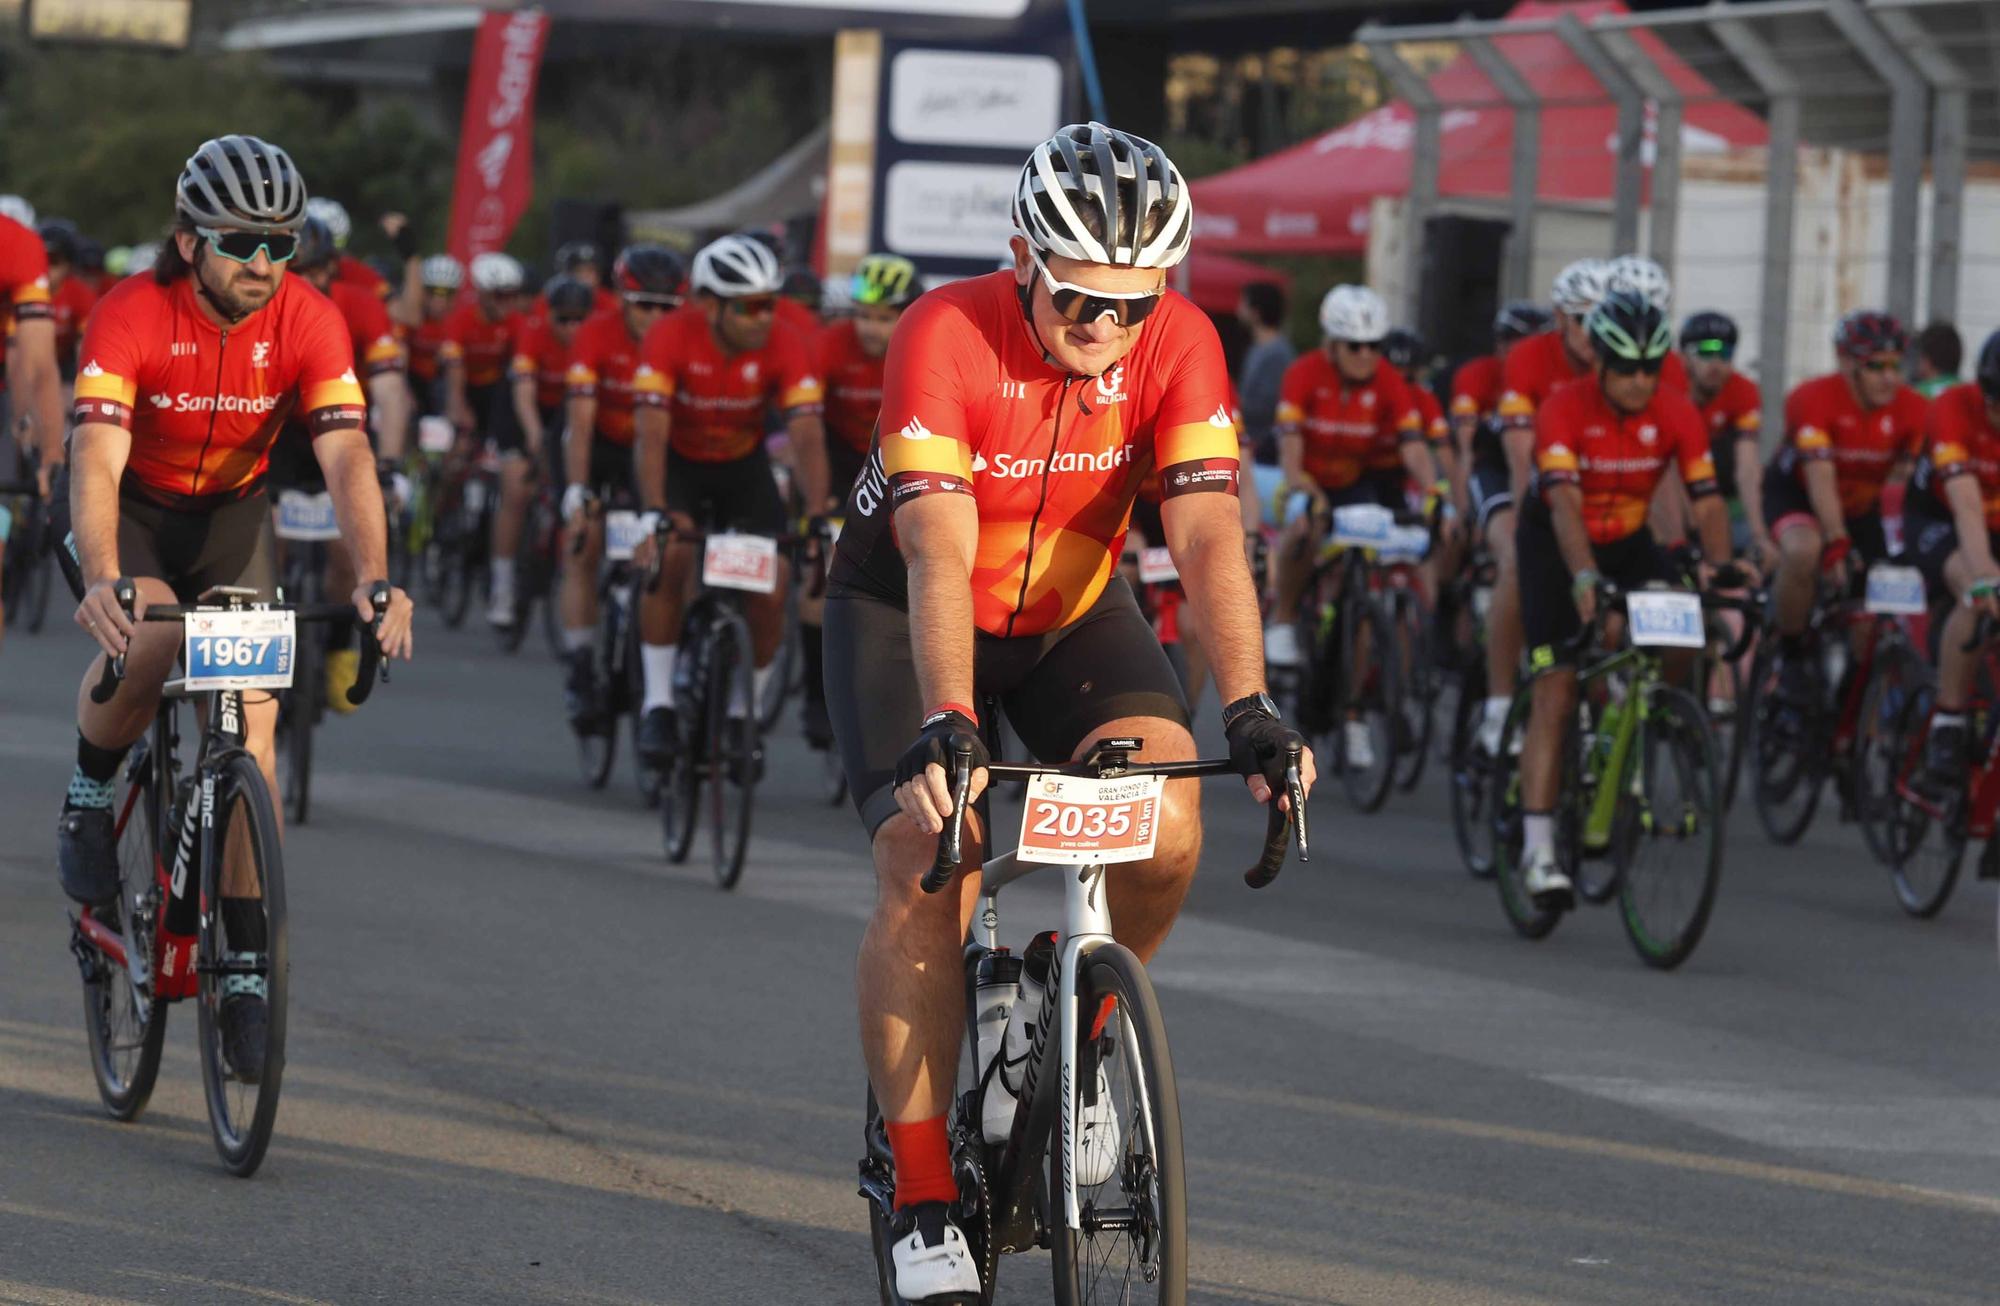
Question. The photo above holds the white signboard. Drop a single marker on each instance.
(961, 97)
(1003, 9)
(949, 210)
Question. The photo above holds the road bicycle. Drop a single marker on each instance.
(1116, 1225)
(191, 842)
(1469, 596)
(617, 667)
(306, 524)
(27, 571)
(1639, 816)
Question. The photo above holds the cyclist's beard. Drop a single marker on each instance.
(234, 307)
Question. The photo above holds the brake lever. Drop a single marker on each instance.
(127, 595)
(951, 842)
(1273, 859)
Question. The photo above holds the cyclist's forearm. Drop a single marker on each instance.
(1667, 514)
(1417, 461)
(580, 430)
(1208, 553)
(1292, 457)
(1750, 488)
(938, 534)
(389, 401)
(528, 412)
(652, 433)
(1711, 521)
(1823, 492)
(40, 383)
(1968, 516)
(99, 452)
(1572, 540)
(1519, 443)
(807, 437)
(349, 466)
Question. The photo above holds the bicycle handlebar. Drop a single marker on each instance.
(1269, 862)
(372, 663)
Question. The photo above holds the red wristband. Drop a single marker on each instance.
(1834, 553)
(959, 708)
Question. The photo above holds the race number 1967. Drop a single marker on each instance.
(1075, 819)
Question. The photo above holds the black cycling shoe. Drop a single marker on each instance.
(580, 693)
(658, 735)
(1942, 776)
(87, 855)
(243, 1019)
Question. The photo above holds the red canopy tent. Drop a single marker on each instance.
(1215, 281)
(1314, 197)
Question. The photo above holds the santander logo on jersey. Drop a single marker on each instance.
(187, 403)
(1014, 467)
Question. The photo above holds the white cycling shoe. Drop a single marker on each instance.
(1097, 1138)
(934, 1265)
(1360, 746)
(1545, 882)
(500, 609)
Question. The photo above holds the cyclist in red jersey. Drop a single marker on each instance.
(1733, 408)
(188, 375)
(799, 302)
(579, 259)
(70, 296)
(442, 277)
(709, 379)
(1846, 434)
(1602, 443)
(478, 343)
(1339, 407)
(34, 380)
(1020, 410)
(1951, 523)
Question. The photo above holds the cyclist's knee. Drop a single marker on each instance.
(902, 854)
(1799, 547)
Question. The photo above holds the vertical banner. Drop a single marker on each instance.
(850, 164)
(496, 136)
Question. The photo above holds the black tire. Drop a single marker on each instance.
(1879, 745)
(1928, 851)
(1374, 699)
(1420, 683)
(298, 712)
(1670, 852)
(596, 750)
(1529, 920)
(126, 1023)
(41, 580)
(1730, 730)
(241, 1115)
(786, 669)
(1786, 758)
(645, 777)
(730, 753)
(1096, 1268)
(1471, 779)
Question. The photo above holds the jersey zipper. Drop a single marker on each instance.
(221, 352)
(1028, 566)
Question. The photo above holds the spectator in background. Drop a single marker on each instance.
(1262, 312)
(1940, 353)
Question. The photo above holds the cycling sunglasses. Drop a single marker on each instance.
(1081, 304)
(1635, 366)
(1360, 346)
(657, 303)
(1713, 349)
(242, 246)
(753, 306)
(569, 321)
(1889, 363)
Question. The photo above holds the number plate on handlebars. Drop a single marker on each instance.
(1895, 591)
(622, 533)
(1405, 544)
(1666, 619)
(1076, 819)
(303, 516)
(240, 650)
(741, 562)
(1362, 525)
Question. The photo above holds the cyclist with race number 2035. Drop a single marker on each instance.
(1020, 411)
(188, 376)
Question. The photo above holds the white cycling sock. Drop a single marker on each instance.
(503, 575)
(576, 641)
(760, 683)
(1496, 707)
(1538, 832)
(659, 664)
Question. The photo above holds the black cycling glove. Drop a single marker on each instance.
(1258, 744)
(942, 729)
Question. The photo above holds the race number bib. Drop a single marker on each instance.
(1666, 619)
(741, 562)
(1156, 567)
(1895, 591)
(434, 435)
(623, 529)
(303, 516)
(239, 650)
(1362, 525)
(1077, 819)
(1405, 544)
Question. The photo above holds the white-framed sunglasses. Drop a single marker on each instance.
(1074, 303)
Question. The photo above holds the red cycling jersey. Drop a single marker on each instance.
(1346, 428)
(1475, 388)
(539, 353)
(70, 306)
(481, 343)
(718, 401)
(1052, 461)
(1824, 420)
(351, 271)
(24, 277)
(425, 343)
(1734, 412)
(1430, 417)
(1536, 366)
(603, 362)
(373, 336)
(853, 386)
(1617, 461)
(1960, 440)
(204, 404)
(797, 317)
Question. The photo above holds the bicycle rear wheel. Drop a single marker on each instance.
(1670, 859)
(298, 710)
(1928, 850)
(244, 853)
(731, 754)
(41, 577)
(1471, 779)
(1786, 756)
(1896, 675)
(125, 1022)
(786, 673)
(1370, 697)
(1418, 676)
(1132, 1246)
(1529, 920)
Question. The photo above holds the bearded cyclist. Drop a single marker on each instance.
(188, 376)
(1020, 411)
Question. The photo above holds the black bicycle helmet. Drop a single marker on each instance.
(89, 255)
(316, 248)
(1403, 348)
(568, 297)
(241, 182)
(59, 239)
(574, 254)
(802, 285)
(649, 270)
(1988, 370)
(1710, 334)
(1520, 318)
(1625, 326)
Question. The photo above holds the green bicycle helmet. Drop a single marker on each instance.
(886, 279)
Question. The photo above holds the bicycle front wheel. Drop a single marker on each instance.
(1670, 860)
(1529, 920)
(1787, 767)
(1367, 704)
(1471, 778)
(1418, 677)
(1131, 1184)
(1879, 746)
(242, 958)
(125, 1021)
(297, 711)
(731, 752)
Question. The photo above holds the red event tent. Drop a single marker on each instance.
(1314, 197)
(1215, 281)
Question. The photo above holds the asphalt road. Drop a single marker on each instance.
(531, 1062)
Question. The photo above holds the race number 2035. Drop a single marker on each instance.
(1078, 819)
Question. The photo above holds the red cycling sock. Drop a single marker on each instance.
(922, 1153)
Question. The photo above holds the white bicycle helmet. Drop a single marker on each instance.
(13, 206)
(241, 182)
(495, 273)
(1099, 195)
(1578, 287)
(334, 214)
(735, 266)
(443, 272)
(1353, 313)
(142, 258)
(1642, 275)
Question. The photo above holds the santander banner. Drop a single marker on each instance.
(496, 137)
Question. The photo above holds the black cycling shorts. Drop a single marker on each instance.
(741, 494)
(1489, 491)
(1549, 618)
(1058, 689)
(1388, 486)
(843, 468)
(613, 478)
(503, 425)
(229, 544)
(1785, 497)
